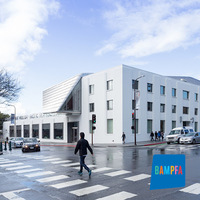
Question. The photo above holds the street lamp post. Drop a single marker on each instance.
(135, 108)
(15, 134)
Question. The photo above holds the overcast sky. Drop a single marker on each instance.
(45, 42)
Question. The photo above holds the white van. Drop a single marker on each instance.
(177, 133)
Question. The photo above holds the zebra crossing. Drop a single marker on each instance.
(58, 181)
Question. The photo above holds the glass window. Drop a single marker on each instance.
(149, 125)
(35, 130)
(196, 126)
(91, 89)
(109, 125)
(46, 131)
(196, 96)
(91, 107)
(162, 107)
(162, 90)
(58, 131)
(110, 85)
(149, 106)
(173, 124)
(110, 105)
(26, 131)
(19, 130)
(149, 87)
(185, 94)
(133, 124)
(196, 111)
(11, 131)
(185, 110)
(173, 108)
(162, 126)
(173, 92)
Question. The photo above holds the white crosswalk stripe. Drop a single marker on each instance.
(9, 165)
(39, 174)
(138, 177)
(71, 164)
(27, 170)
(68, 184)
(61, 162)
(88, 190)
(192, 189)
(90, 166)
(101, 169)
(51, 159)
(119, 196)
(52, 178)
(7, 161)
(117, 173)
(12, 196)
(20, 167)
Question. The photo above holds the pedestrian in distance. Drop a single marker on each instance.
(123, 138)
(82, 146)
(152, 135)
(159, 135)
(156, 135)
(162, 135)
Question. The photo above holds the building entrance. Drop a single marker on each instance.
(72, 132)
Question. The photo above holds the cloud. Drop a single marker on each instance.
(142, 28)
(22, 29)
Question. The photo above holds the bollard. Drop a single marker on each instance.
(5, 148)
(10, 147)
(1, 147)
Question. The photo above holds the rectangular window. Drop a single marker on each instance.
(196, 96)
(173, 108)
(11, 131)
(19, 130)
(91, 105)
(58, 131)
(133, 124)
(173, 92)
(196, 111)
(162, 107)
(109, 104)
(91, 89)
(173, 124)
(149, 106)
(185, 110)
(149, 125)
(46, 131)
(162, 90)
(185, 94)
(196, 126)
(35, 130)
(109, 126)
(149, 87)
(162, 126)
(26, 131)
(110, 85)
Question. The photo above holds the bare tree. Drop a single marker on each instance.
(9, 87)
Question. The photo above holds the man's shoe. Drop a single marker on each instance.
(80, 173)
(90, 172)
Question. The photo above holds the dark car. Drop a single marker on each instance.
(30, 144)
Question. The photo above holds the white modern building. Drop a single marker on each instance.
(162, 103)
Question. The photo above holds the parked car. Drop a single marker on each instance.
(190, 138)
(16, 141)
(30, 144)
(177, 133)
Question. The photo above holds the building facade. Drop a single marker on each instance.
(162, 103)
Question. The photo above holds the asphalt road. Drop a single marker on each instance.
(117, 173)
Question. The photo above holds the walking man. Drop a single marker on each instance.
(123, 138)
(82, 146)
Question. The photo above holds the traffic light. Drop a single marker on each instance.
(93, 127)
(133, 115)
(93, 119)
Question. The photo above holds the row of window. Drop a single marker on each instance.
(162, 92)
(109, 106)
(162, 108)
(109, 86)
(58, 131)
(109, 126)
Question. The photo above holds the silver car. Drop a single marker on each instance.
(16, 142)
(190, 138)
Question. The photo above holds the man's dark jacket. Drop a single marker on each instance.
(82, 146)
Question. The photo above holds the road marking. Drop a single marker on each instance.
(20, 167)
(121, 196)
(9, 165)
(12, 196)
(27, 170)
(68, 184)
(88, 190)
(192, 189)
(138, 177)
(71, 164)
(90, 166)
(101, 169)
(51, 159)
(61, 162)
(7, 161)
(39, 174)
(53, 178)
(117, 173)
